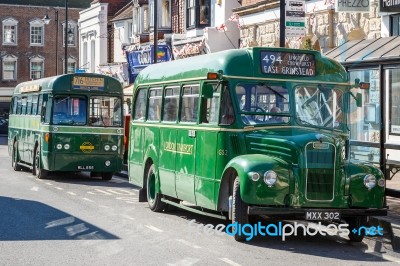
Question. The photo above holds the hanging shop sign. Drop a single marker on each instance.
(352, 5)
(389, 5)
(139, 59)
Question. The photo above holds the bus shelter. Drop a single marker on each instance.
(375, 128)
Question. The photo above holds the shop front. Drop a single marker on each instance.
(375, 127)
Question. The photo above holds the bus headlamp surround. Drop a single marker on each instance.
(370, 181)
(106, 147)
(114, 147)
(254, 176)
(59, 146)
(270, 178)
(66, 146)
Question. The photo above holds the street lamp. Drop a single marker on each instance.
(46, 21)
(66, 39)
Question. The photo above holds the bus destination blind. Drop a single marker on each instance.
(286, 63)
(88, 83)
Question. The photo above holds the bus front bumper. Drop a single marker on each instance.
(314, 214)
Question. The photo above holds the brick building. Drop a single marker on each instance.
(28, 45)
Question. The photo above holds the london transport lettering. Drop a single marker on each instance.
(284, 63)
(180, 147)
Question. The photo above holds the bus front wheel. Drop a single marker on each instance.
(153, 197)
(15, 164)
(106, 176)
(239, 211)
(37, 169)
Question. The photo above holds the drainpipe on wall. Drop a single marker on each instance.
(331, 14)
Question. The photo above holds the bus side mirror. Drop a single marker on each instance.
(359, 102)
(357, 98)
(207, 91)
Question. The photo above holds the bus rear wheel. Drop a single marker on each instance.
(153, 197)
(106, 176)
(239, 210)
(37, 169)
(14, 158)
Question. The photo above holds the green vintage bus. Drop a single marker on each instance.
(64, 123)
(246, 132)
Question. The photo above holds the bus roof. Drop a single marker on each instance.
(65, 83)
(237, 63)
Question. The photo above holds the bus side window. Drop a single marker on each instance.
(19, 105)
(40, 103)
(46, 112)
(190, 103)
(14, 107)
(154, 111)
(34, 104)
(29, 105)
(171, 100)
(23, 107)
(210, 106)
(227, 114)
(140, 104)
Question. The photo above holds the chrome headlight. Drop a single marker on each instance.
(114, 147)
(59, 146)
(270, 178)
(107, 147)
(66, 146)
(254, 176)
(107, 163)
(381, 182)
(370, 181)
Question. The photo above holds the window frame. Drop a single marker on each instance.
(191, 95)
(7, 59)
(10, 22)
(36, 60)
(395, 25)
(197, 7)
(72, 25)
(37, 23)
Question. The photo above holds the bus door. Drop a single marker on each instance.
(186, 144)
(168, 141)
(206, 143)
(136, 139)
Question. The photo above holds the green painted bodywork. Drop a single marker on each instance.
(219, 153)
(29, 131)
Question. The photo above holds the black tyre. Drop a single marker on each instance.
(106, 176)
(169, 207)
(37, 169)
(153, 197)
(355, 223)
(239, 210)
(14, 158)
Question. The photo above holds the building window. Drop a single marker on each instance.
(71, 66)
(129, 31)
(36, 68)
(146, 19)
(191, 19)
(9, 68)
(166, 14)
(198, 13)
(36, 32)
(71, 32)
(10, 31)
(395, 25)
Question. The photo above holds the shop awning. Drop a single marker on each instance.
(368, 50)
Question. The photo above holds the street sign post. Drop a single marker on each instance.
(295, 18)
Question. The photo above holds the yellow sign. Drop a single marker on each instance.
(88, 81)
(178, 148)
(87, 147)
(30, 88)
